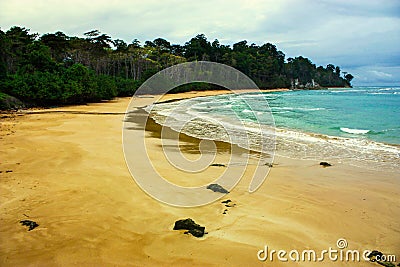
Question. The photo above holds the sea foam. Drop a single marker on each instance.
(354, 131)
(219, 124)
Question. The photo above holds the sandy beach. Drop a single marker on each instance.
(64, 168)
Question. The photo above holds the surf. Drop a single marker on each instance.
(354, 131)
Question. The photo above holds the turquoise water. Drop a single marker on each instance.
(355, 125)
(341, 112)
(363, 112)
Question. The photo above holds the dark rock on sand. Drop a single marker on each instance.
(386, 263)
(31, 224)
(325, 164)
(218, 165)
(226, 201)
(217, 188)
(195, 232)
(192, 227)
(373, 255)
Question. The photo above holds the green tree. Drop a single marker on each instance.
(163, 45)
(58, 43)
(198, 48)
(61, 69)
(348, 78)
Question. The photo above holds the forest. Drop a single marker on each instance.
(56, 69)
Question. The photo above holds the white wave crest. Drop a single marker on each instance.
(354, 131)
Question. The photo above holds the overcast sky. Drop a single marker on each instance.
(361, 36)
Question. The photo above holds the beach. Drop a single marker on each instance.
(64, 168)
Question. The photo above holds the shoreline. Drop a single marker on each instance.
(379, 154)
(68, 173)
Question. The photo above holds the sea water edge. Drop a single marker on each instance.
(327, 138)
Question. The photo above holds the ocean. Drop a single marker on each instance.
(359, 126)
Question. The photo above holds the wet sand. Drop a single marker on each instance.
(65, 169)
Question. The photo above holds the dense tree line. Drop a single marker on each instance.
(58, 69)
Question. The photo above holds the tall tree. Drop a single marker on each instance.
(198, 48)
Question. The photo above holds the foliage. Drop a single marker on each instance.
(58, 69)
(9, 102)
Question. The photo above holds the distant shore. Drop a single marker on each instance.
(64, 168)
(9, 103)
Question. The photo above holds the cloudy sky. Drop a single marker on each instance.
(361, 36)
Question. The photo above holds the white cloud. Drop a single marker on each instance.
(376, 75)
(381, 74)
(353, 34)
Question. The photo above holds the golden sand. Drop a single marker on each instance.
(64, 168)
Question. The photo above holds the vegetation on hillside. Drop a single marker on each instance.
(55, 69)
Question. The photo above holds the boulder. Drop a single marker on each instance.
(31, 224)
(8, 102)
(374, 253)
(192, 227)
(325, 164)
(217, 188)
(217, 165)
